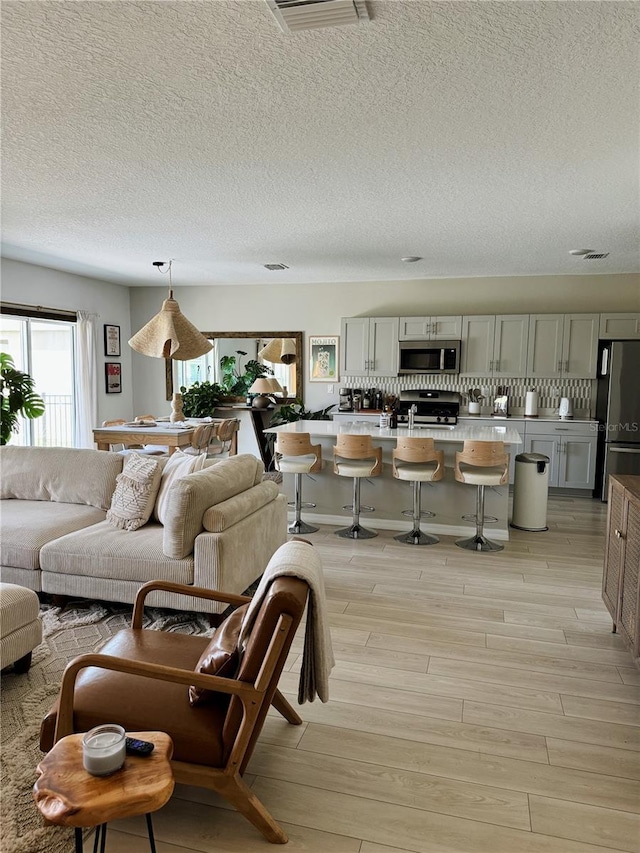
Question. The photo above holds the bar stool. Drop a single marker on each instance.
(355, 456)
(415, 459)
(294, 454)
(481, 463)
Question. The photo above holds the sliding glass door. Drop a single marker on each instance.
(46, 350)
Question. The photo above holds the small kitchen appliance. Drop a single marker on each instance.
(429, 357)
(501, 402)
(346, 400)
(565, 411)
(430, 408)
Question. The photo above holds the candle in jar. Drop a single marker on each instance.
(103, 749)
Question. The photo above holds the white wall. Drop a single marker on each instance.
(316, 309)
(27, 284)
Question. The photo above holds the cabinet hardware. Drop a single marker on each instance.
(491, 365)
(559, 367)
(497, 367)
(619, 533)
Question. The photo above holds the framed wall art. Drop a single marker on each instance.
(111, 340)
(113, 377)
(323, 358)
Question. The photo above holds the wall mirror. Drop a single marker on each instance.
(207, 367)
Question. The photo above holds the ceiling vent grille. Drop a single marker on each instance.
(276, 267)
(295, 15)
(595, 256)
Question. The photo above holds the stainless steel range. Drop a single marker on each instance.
(432, 408)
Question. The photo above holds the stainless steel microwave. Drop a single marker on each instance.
(429, 357)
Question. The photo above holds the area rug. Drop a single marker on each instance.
(75, 629)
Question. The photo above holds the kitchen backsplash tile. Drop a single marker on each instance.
(580, 391)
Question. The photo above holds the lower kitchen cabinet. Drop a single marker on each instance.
(571, 449)
(620, 580)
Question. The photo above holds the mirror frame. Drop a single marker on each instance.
(297, 336)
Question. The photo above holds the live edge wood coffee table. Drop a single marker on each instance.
(69, 796)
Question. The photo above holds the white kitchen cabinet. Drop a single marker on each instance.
(571, 447)
(495, 345)
(430, 328)
(620, 326)
(369, 346)
(563, 346)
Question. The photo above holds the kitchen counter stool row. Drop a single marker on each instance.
(414, 459)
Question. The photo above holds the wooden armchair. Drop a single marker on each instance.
(213, 741)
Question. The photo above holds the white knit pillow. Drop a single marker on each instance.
(135, 495)
(178, 465)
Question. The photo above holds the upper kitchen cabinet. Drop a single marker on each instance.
(495, 345)
(563, 346)
(620, 326)
(430, 328)
(369, 346)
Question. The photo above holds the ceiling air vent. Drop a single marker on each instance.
(276, 267)
(595, 256)
(295, 15)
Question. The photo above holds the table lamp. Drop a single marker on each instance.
(264, 388)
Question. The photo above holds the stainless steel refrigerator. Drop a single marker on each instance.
(618, 411)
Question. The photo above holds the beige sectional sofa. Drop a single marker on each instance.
(222, 527)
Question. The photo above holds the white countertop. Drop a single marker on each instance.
(462, 432)
(470, 418)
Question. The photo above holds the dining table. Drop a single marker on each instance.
(162, 434)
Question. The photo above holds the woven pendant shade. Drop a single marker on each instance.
(170, 335)
(279, 351)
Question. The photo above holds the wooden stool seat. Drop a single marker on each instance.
(67, 795)
(294, 454)
(416, 460)
(355, 456)
(481, 463)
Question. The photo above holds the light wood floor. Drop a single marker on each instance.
(480, 704)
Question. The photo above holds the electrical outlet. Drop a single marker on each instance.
(329, 389)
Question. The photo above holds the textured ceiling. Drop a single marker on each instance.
(487, 137)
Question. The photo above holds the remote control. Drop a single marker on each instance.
(139, 747)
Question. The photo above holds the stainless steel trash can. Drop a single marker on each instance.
(530, 492)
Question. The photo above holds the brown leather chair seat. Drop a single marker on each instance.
(147, 704)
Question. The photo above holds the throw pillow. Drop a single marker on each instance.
(135, 495)
(221, 657)
(178, 465)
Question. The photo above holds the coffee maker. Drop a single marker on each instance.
(346, 400)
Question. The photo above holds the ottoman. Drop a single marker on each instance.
(20, 626)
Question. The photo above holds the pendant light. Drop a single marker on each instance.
(169, 334)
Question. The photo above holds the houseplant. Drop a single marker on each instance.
(18, 397)
(236, 382)
(200, 399)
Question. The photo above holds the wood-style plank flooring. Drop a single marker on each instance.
(479, 704)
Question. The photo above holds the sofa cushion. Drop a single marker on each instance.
(62, 474)
(221, 656)
(135, 493)
(178, 465)
(26, 526)
(191, 496)
(103, 551)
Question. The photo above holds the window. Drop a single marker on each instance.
(45, 349)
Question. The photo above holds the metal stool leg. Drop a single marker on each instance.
(78, 839)
(298, 525)
(356, 531)
(479, 542)
(152, 841)
(417, 536)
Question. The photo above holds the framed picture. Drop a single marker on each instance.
(113, 377)
(111, 340)
(323, 358)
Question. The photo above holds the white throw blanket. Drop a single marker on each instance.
(300, 559)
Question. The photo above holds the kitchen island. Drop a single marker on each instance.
(448, 498)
